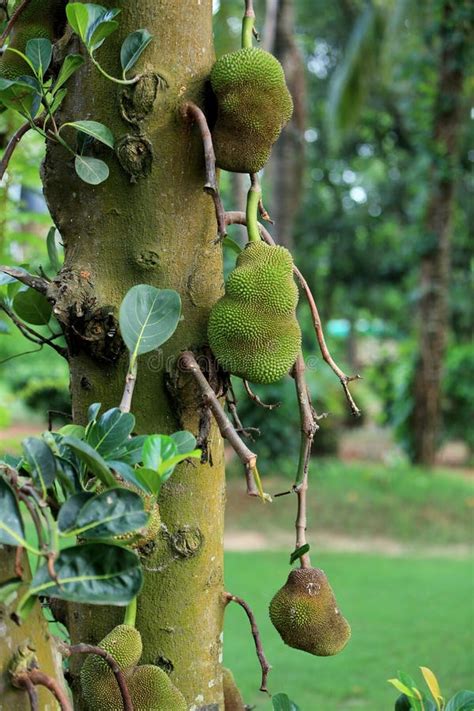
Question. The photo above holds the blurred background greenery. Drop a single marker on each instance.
(371, 187)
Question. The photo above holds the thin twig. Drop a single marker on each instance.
(256, 638)
(238, 218)
(32, 694)
(253, 396)
(35, 282)
(231, 402)
(34, 516)
(12, 21)
(192, 111)
(248, 458)
(69, 649)
(33, 335)
(12, 144)
(39, 678)
(18, 562)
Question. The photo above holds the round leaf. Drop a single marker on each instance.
(32, 307)
(91, 170)
(148, 317)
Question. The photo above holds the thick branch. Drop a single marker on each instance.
(192, 111)
(69, 649)
(35, 282)
(256, 638)
(238, 218)
(36, 677)
(12, 21)
(226, 428)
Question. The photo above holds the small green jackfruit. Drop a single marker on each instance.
(253, 331)
(253, 105)
(151, 689)
(98, 682)
(305, 613)
(37, 21)
(232, 697)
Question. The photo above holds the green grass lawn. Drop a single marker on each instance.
(404, 612)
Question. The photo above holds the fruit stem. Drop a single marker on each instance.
(248, 23)
(131, 613)
(254, 196)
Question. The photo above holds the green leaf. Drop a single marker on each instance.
(39, 51)
(148, 317)
(110, 513)
(95, 129)
(21, 97)
(9, 591)
(92, 411)
(133, 450)
(462, 701)
(32, 307)
(281, 702)
(132, 48)
(110, 431)
(92, 460)
(157, 449)
(166, 469)
(12, 532)
(148, 479)
(70, 65)
(184, 441)
(73, 431)
(53, 250)
(69, 511)
(232, 244)
(100, 31)
(41, 460)
(91, 170)
(58, 100)
(93, 573)
(298, 552)
(78, 17)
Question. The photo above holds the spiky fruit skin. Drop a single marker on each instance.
(140, 538)
(98, 683)
(151, 689)
(232, 697)
(253, 331)
(305, 613)
(36, 21)
(253, 105)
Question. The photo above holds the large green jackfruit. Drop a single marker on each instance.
(232, 697)
(253, 105)
(151, 689)
(38, 20)
(305, 613)
(253, 331)
(98, 682)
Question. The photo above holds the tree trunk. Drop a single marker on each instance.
(150, 222)
(435, 265)
(286, 166)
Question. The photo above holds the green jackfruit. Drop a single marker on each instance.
(253, 105)
(98, 683)
(253, 331)
(232, 697)
(38, 20)
(305, 613)
(151, 689)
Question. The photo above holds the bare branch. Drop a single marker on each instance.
(238, 218)
(248, 458)
(192, 111)
(35, 282)
(12, 21)
(33, 335)
(69, 649)
(38, 678)
(253, 396)
(256, 638)
(127, 396)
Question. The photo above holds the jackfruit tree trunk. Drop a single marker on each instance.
(286, 165)
(454, 33)
(150, 222)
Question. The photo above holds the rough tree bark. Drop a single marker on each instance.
(454, 34)
(286, 166)
(150, 222)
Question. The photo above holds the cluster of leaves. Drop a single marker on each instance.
(37, 95)
(412, 698)
(74, 484)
